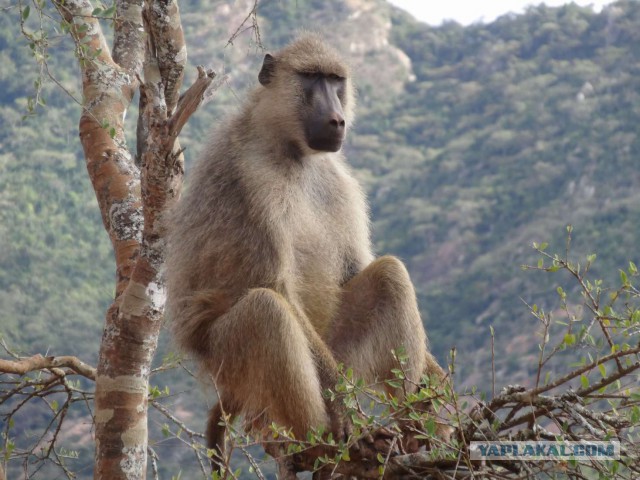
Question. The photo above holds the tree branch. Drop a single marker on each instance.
(165, 27)
(190, 101)
(107, 90)
(128, 36)
(38, 362)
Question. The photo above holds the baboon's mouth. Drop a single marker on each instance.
(326, 144)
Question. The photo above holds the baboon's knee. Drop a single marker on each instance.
(391, 268)
(391, 280)
(273, 310)
(264, 300)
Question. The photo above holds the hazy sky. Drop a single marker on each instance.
(469, 11)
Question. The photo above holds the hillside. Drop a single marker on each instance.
(472, 142)
(524, 126)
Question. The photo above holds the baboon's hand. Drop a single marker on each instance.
(341, 425)
(343, 428)
(380, 441)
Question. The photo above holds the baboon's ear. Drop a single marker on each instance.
(268, 69)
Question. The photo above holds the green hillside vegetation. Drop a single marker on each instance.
(524, 126)
(55, 260)
(495, 136)
(473, 142)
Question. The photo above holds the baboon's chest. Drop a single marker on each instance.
(317, 271)
(317, 246)
(317, 253)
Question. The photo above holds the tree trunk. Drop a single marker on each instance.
(131, 200)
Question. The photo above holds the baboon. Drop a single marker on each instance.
(271, 279)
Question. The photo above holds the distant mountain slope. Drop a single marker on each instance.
(472, 142)
(525, 125)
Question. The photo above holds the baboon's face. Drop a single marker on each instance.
(320, 95)
(321, 113)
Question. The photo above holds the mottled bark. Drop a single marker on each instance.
(168, 47)
(132, 200)
(108, 89)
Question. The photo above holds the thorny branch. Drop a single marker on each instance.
(550, 411)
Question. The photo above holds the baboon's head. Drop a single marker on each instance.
(308, 83)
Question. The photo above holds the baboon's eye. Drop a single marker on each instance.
(309, 75)
(335, 78)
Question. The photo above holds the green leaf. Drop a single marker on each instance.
(635, 414)
(623, 278)
(109, 11)
(615, 466)
(357, 421)
(603, 370)
(569, 339)
(394, 384)
(10, 447)
(25, 12)
(584, 381)
(430, 426)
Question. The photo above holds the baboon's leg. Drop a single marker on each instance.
(215, 431)
(262, 361)
(285, 465)
(379, 313)
(215, 434)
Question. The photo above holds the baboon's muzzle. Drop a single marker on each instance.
(325, 125)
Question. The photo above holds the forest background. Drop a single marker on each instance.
(472, 142)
